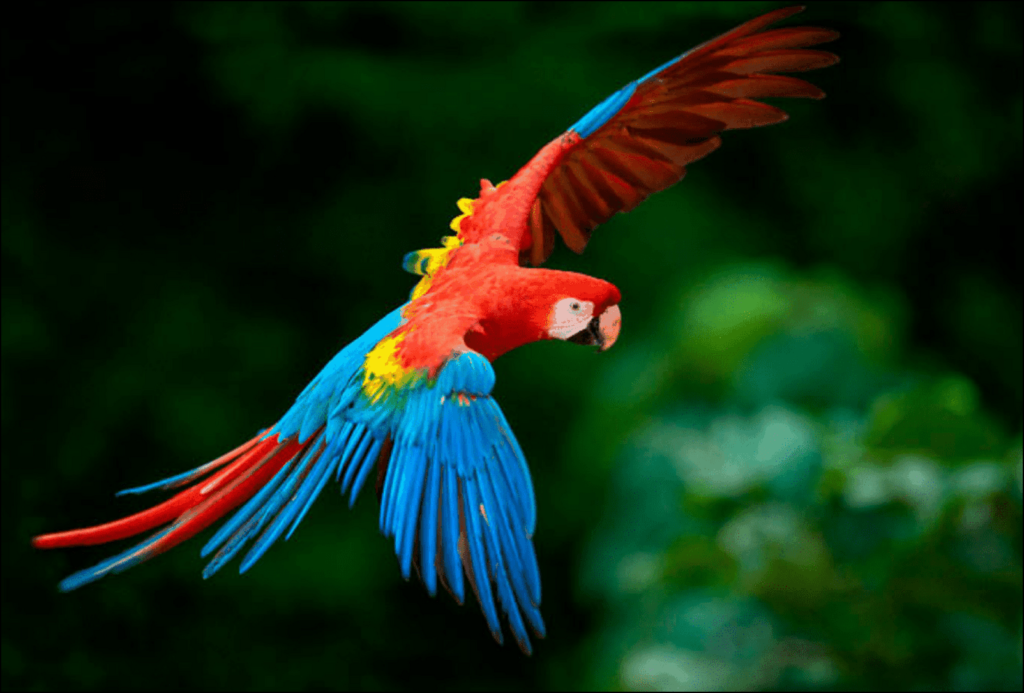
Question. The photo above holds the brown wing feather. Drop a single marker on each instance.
(671, 120)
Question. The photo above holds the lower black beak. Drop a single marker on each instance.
(589, 335)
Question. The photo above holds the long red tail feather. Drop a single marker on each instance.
(204, 502)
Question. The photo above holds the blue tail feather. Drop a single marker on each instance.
(182, 479)
(115, 564)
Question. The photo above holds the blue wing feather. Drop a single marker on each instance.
(242, 515)
(428, 526)
(479, 574)
(450, 536)
(364, 471)
(489, 527)
(455, 460)
(312, 488)
(610, 107)
(280, 505)
(357, 456)
(410, 504)
(389, 493)
(604, 111)
(329, 388)
(339, 433)
(506, 537)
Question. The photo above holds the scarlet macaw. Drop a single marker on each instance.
(412, 394)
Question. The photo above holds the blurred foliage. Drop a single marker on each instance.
(800, 467)
(829, 523)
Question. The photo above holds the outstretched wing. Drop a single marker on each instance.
(640, 139)
(456, 494)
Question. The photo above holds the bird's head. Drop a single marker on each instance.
(538, 304)
(589, 314)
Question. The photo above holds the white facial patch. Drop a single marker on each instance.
(569, 316)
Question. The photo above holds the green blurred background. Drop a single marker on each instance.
(800, 467)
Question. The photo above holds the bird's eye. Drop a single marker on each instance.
(574, 307)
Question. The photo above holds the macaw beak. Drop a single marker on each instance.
(608, 327)
(602, 330)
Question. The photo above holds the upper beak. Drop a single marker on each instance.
(608, 327)
(602, 329)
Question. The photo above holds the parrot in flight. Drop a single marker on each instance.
(411, 397)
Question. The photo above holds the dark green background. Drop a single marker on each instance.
(799, 467)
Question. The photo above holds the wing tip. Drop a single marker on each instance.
(828, 35)
(785, 12)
